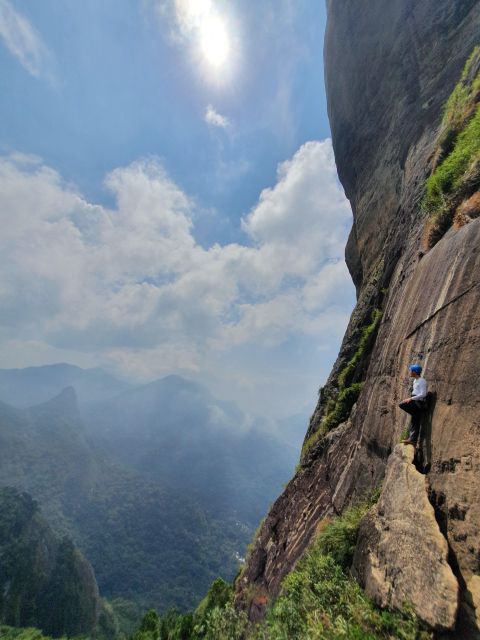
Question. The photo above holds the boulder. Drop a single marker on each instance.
(401, 558)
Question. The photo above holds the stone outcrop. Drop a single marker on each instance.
(390, 68)
(401, 555)
(293, 519)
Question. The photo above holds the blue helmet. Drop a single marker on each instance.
(416, 368)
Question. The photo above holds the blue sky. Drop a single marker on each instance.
(169, 193)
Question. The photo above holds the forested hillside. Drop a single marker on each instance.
(147, 542)
(44, 580)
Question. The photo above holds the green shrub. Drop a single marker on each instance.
(461, 103)
(340, 412)
(320, 601)
(219, 595)
(339, 537)
(224, 624)
(458, 173)
(27, 633)
(343, 406)
(11, 633)
(448, 177)
(368, 332)
(150, 624)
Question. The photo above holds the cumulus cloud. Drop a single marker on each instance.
(132, 286)
(22, 40)
(216, 119)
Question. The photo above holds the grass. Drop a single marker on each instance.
(452, 172)
(458, 174)
(461, 103)
(320, 601)
(343, 406)
(339, 537)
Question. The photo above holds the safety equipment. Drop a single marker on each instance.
(416, 368)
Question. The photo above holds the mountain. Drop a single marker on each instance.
(155, 480)
(147, 542)
(175, 432)
(45, 581)
(26, 387)
(403, 82)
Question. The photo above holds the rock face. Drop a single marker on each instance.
(390, 68)
(401, 555)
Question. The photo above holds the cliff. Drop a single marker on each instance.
(403, 89)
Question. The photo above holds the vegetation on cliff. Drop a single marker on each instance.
(319, 599)
(338, 409)
(457, 173)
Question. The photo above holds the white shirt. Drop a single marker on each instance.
(419, 389)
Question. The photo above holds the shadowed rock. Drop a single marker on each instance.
(401, 556)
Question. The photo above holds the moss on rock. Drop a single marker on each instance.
(338, 409)
(457, 173)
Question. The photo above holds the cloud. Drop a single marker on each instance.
(23, 41)
(131, 286)
(216, 119)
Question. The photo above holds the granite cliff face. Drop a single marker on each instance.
(390, 68)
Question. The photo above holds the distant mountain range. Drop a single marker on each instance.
(175, 432)
(24, 388)
(160, 485)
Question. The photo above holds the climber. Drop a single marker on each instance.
(416, 404)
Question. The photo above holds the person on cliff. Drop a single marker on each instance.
(416, 404)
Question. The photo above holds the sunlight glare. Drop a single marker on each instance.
(209, 31)
(214, 40)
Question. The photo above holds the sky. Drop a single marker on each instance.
(169, 200)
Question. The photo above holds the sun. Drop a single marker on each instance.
(209, 31)
(214, 40)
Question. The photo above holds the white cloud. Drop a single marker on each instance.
(131, 286)
(216, 119)
(23, 41)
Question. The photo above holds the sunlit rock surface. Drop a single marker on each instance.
(401, 555)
